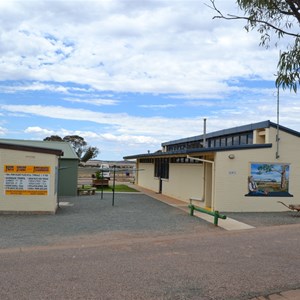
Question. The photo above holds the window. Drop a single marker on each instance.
(236, 140)
(223, 142)
(161, 168)
(243, 140)
(146, 160)
(229, 141)
(250, 138)
(180, 160)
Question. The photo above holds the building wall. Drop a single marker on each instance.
(231, 176)
(68, 177)
(146, 177)
(185, 181)
(28, 203)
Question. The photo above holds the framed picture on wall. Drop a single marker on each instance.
(269, 179)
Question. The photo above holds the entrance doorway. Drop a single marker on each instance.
(208, 186)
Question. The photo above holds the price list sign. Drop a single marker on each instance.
(26, 180)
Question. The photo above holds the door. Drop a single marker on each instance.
(208, 192)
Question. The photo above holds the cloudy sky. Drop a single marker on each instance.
(128, 75)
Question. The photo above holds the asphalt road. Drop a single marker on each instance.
(141, 249)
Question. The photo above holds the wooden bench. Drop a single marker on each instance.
(98, 183)
(82, 191)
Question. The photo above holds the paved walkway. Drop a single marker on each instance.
(228, 224)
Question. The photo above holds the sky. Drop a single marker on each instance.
(128, 75)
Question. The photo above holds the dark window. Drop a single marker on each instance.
(180, 160)
(250, 138)
(236, 140)
(243, 140)
(223, 142)
(146, 161)
(161, 168)
(194, 145)
(229, 141)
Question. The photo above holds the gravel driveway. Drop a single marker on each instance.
(135, 213)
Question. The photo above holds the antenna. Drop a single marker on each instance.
(204, 133)
(277, 134)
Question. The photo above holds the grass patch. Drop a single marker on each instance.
(121, 188)
(118, 188)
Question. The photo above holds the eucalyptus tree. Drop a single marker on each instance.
(274, 20)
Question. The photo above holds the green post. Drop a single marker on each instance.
(192, 209)
(215, 214)
(216, 218)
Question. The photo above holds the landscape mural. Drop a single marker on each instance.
(271, 179)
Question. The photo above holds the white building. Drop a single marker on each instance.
(28, 179)
(215, 168)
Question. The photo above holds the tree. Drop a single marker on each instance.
(53, 138)
(80, 146)
(78, 143)
(269, 17)
(90, 153)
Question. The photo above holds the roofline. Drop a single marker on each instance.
(198, 150)
(233, 130)
(56, 152)
(285, 129)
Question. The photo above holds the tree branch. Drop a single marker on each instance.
(234, 17)
(287, 13)
(294, 9)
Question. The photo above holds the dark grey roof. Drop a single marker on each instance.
(65, 147)
(234, 130)
(56, 152)
(199, 150)
(219, 133)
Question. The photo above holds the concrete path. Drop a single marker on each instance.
(228, 224)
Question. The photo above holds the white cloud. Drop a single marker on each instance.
(71, 53)
(159, 128)
(39, 131)
(157, 106)
(120, 123)
(96, 102)
(36, 86)
(130, 138)
(93, 138)
(3, 130)
(174, 47)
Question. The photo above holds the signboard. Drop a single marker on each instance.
(26, 180)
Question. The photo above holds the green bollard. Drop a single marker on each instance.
(216, 218)
(192, 210)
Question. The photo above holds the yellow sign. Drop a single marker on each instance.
(23, 192)
(26, 180)
(27, 169)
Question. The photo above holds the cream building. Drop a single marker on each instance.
(215, 168)
(28, 179)
(68, 163)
